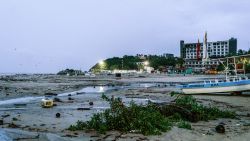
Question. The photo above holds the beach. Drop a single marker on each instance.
(24, 119)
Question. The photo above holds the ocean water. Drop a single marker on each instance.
(4, 74)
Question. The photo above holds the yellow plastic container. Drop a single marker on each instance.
(47, 103)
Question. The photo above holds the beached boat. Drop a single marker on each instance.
(230, 85)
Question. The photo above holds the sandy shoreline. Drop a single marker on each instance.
(32, 120)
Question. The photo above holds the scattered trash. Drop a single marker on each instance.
(56, 99)
(47, 103)
(222, 123)
(1, 122)
(78, 93)
(220, 129)
(51, 94)
(20, 105)
(209, 133)
(70, 98)
(70, 136)
(58, 115)
(12, 125)
(91, 103)
(83, 109)
(5, 116)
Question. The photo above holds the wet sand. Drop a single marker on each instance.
(30, 85)
(30, 120)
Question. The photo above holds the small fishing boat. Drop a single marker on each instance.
(234, 85)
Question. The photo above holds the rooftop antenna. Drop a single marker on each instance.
(205, 52)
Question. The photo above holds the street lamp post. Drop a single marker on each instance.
(146, 64)
(101, 64)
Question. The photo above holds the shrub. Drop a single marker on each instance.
(150, 119)
(184, 124)
(134, 118)
(200, 112)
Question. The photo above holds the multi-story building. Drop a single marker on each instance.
(168, 55)
(193, 53)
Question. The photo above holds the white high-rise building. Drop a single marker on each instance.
(199, 55)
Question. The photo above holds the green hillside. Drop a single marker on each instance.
(136, 62)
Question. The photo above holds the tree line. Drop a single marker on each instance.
(136, 62)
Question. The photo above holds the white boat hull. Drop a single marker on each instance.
(238, 88)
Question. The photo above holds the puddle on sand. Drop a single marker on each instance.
(86, 90)
(30, 99)
(3, 136)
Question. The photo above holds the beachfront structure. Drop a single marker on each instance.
(144, 57)
(200, 56)
(168, 55)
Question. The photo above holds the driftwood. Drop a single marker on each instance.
(50, 94)
(81, 109)
(184, 112)
(57, 99)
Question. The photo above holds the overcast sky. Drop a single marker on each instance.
(50, 35)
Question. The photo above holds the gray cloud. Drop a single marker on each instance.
(46, 36)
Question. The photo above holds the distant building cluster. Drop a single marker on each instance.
(204, 55)
(200, 57)
(143, 56)
(168, 55)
